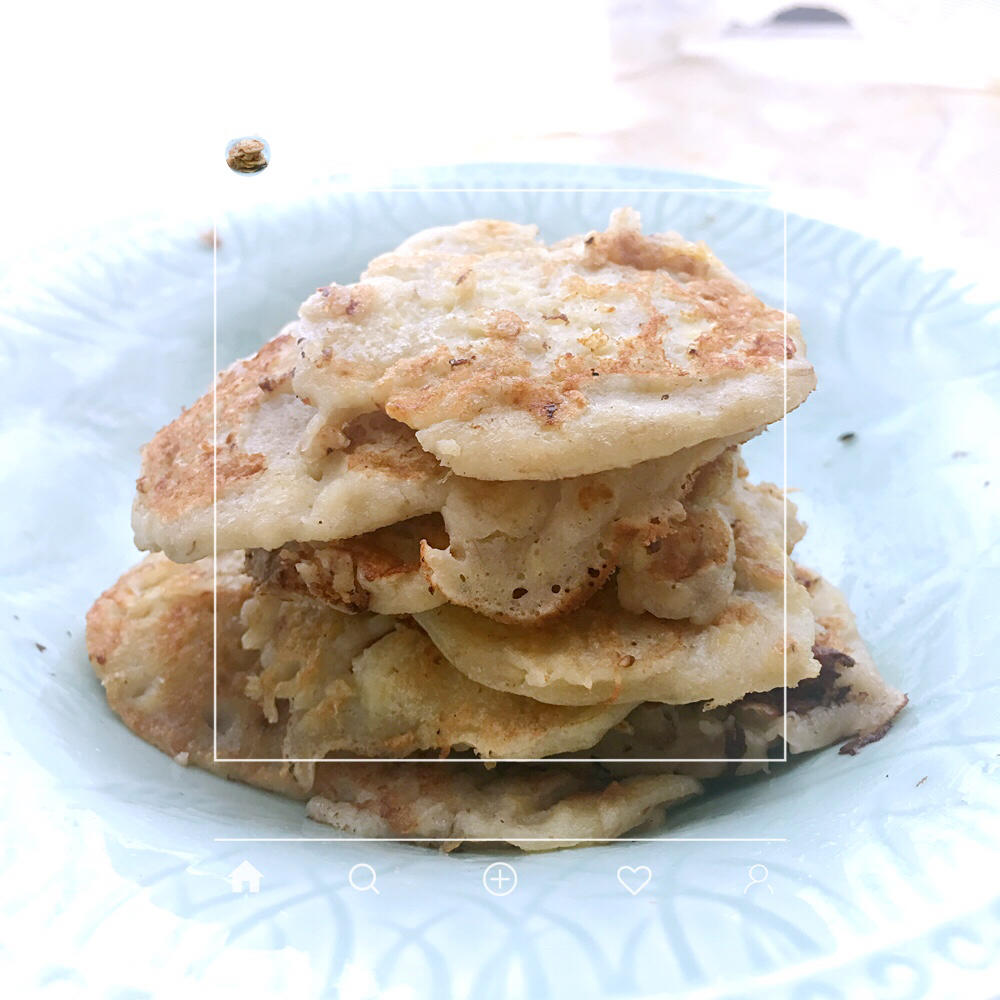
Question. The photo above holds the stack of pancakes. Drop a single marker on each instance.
(489, 503)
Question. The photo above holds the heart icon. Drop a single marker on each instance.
(634, 879)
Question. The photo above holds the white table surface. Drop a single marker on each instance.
(116, 111)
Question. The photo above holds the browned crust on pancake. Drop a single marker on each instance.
(380, 444)
(340, 573)
(833, 634)
(632, 248)
(686, 547)
(150, 639)
(745, 335)
(398, 796)
(857, 743)
(177, 465)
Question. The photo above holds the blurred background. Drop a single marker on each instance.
(879, 115)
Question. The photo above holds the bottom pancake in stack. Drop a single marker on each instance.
(150, 639)
(639, 672)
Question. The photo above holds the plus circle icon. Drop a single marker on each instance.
(500, 879)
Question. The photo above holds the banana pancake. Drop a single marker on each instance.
(600, 653)
(847, 698)
(266, 492)
(150, 640)
(513, 359)
(377, 686)
(527, 551)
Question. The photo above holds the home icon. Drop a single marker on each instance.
(245, 877)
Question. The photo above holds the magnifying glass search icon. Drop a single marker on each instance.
(362, 878)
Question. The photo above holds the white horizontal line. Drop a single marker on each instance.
(501, 760)
(549, 190)
(500, 837)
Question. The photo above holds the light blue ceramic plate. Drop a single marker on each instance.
(887, 882)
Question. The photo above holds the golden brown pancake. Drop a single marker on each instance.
(268, 493)
(525, 552)
(150, 642)
(377, 686)
(847, 698)
(600, 653)
(516, 360)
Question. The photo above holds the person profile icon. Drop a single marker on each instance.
(758, 876)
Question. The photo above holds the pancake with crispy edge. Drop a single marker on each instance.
(512, 359)
(150, 642)
(377, 686)
(267, 494)
(528, 551)
(600, 653)
(846, 700)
